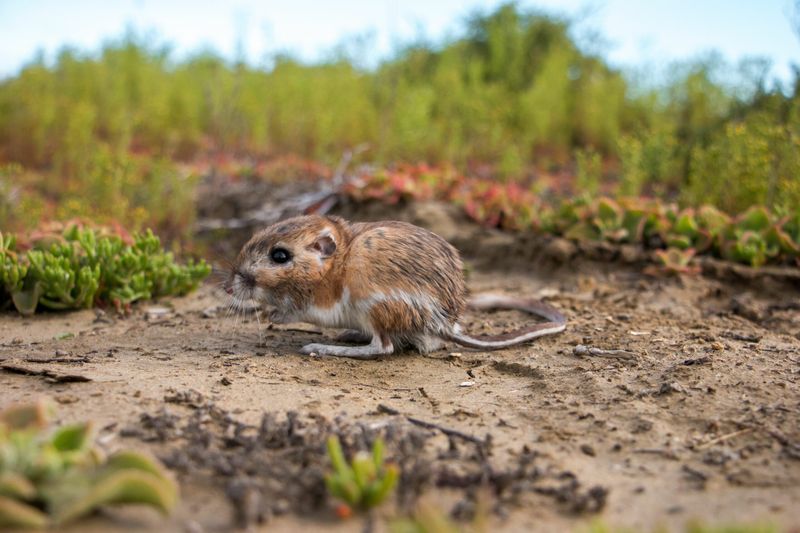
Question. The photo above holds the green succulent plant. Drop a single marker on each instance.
(746, 247)
(81, 267)
(363, 483)
(756, 237)
(52, 477)
(676, 261)
(610, 221)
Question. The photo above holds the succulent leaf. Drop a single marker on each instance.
(124, 486)
(365, 482)
(16, 514)
(64, 475)
(757, 218)
(27, 416)
(126, 459)
(17, 486)
(82, 267)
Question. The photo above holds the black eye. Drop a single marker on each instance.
(280, 255)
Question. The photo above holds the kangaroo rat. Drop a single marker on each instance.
(392, 284)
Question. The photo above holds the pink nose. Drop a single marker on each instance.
(229, 290)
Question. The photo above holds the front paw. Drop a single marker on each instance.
(313, 348)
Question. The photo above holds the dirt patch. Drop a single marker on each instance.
(700, 422)
(277, 466)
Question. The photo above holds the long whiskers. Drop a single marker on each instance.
(260, 333)
(238, 305)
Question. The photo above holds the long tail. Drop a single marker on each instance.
(556, 322)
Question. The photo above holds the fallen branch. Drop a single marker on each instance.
(669, 454)
(81, 359)
(430, 425)
(792, 449)
(583, 350)
(393, 389)
(49, 375)
(723, 438)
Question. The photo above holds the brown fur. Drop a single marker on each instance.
(395, 281)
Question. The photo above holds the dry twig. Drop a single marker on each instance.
(723, 438)
(49, 375)
(430, 425)
(583, 350)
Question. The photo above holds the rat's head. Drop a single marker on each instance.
(281, 265)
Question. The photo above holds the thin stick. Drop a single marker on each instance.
(723, 438)
(669, 454)
(430, 425)
(582, 350)
(47, 374)
(82, 359)
(393, 389)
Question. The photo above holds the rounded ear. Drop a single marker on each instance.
(324, 244)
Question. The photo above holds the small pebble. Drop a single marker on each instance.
(193, 526)
(157, 312)
(66, 399)
(466, 384)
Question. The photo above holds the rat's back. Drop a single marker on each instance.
(412, 278)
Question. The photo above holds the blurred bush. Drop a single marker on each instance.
(131, 190)
(513, 91)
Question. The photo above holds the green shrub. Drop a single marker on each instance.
(589, 172)
(510, 91)
(733, 171)
(83, 267)
(512, 83)
(633, 173)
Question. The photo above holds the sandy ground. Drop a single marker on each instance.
(701, 422)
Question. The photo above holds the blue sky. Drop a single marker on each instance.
(636, 32)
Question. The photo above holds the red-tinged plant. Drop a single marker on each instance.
(497, 205)
(757, 218)
(609, 220)
(634, 220)
(755, 237)
(780, 241)
(683, 232)
(748, 247)
(674, 261)
(343, 511)
(712, 219)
